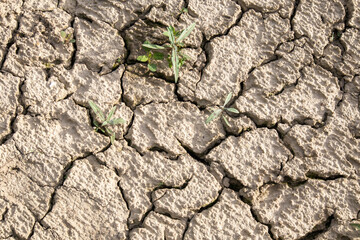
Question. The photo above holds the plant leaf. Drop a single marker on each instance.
(226, 121)
(152, 67)
(142, 58)
(152, 46)
(96, 125)
(111, 113)
(158, 56)
(184, 10)
(112, 138)
(166, 33)
(97, 111)
(72, 41)
(227, 100)
(63, 34)
(108, 131)
(233, 110)
(175, 63)
(356, 225)
(171, 35)
(213, 115)
(186, 33)
(117, 121)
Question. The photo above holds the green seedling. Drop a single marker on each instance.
(49, 65)
(220, 111)
(67, 37)
(117, 63)
(356, 226)
(104, 123)
(175, 57)
(184, 10)
(151, 55)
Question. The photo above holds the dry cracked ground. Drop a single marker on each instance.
(287, 167)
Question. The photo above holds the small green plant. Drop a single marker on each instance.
(356, 226)
(117, 63)
(184, 10)
(219, 111)
(105, 122)
(49, 65)
(67, 37)
(175, 57)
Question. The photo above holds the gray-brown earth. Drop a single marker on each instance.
(287, 167)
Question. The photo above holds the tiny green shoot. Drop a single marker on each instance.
(67, 37)
(104, 122)
(48, 65)
(356, 226)
(175, 57)
(219, 111)
(117, 63)
(184, 10)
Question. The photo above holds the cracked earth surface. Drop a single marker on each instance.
(287, 167)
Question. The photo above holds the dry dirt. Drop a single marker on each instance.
(287, 168)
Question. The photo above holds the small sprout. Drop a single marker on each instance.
(184, 10)
(103, 124)
(67, 37)
(356, 226)
(117, 63)
(49, 65)
(152, 67)
(219, 111)
(174, 57)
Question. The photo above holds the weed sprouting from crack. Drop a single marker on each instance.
(355, 225)
(103, 124)
(174, 57)
(67, 37)
(219, 111)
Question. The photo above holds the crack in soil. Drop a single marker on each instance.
(324, 226)
(265, 224)
(296, 5)
(11, 41)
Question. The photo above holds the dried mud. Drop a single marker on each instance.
(287, 167)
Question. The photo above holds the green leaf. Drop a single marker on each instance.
(175, 63)
(111, 113)
(152, 67)
(181, 62)
(142, 58)
(186, 33)
(112, 138)
(233, 110)
(97, 111)
(166, 33)
(228, 98)
(117, 121)
(96, 125)
(152, 46)
(171, 35)
(172, 29)
(226, 121)
(158, 56)
(63, 34)
(109, 132)
(356, 225)
(184, 10)
(213, 116)
(72, 41)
